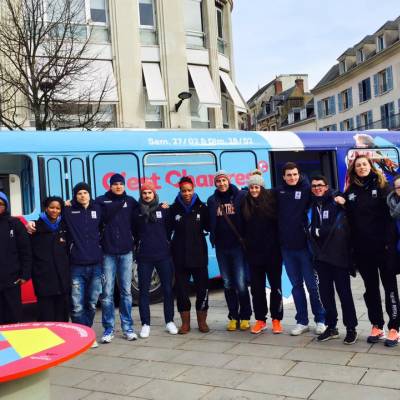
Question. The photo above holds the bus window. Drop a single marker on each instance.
(165, 170)
(105, 165)
(16, 181)
(311, 163)
(239, 164)
(77, 171)
(54, 173)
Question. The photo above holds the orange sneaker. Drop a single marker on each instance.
(376, 335)
(276, 326)
(258, 327)
(392, 338)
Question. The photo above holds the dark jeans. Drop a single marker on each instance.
(329, 278)
(371, 267)
(10, 305)
(258, 275)
(299, 268)
(165, 271)
(182, 288)
(233, 271)
(54, 308)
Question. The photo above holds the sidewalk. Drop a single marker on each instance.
(225, 365)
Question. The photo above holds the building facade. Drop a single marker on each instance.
(362, 91)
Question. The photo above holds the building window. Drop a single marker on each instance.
(383, 81)
(342, 67)
(220, 29)
(380, 42)
(98, 11)
(364, 120)
(153, 114)
(364, 90)
(148, 31)
(326, 107)
(345, 100)
(387, 115)
(198, 113)
(194, 23)
(360, 56)
(332, 127)
(347, 125)
(225, 111)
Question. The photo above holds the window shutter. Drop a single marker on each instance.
(290, 118)
(369, 119)
(319, 108)
(360, 92)
(383, 114)
(351, 124)
(350, 97)
(340, 102)
(334, 127)
(391, 108)
(376, 85)
(389, 78)
(358, 121)
(341, 125)
(332, 107)
(368, 89)
(303, 113)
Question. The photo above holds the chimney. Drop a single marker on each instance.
(300, 84)
(278, 86)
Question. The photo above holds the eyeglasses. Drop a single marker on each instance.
(317, 186)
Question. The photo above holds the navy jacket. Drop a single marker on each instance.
(84, 228)
(293, 203)
(118, 222)
(152, 238)
(213, 203)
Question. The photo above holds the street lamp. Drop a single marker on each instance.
(182, 96)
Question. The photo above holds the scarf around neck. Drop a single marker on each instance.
(53, 226)
(148, 210)
(187, 207)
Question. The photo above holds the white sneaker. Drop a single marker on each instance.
(130, 335)
(145, 331)
(94, 345)
(108, 336)
(319, 328)
(299, 329)
(171, 328)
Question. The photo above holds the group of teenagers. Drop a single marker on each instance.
(75, 251)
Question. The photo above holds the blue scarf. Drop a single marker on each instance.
(187, 207)
(52, 225)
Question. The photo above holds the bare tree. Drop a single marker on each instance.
(46, 61)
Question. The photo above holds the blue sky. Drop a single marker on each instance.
(303, 36)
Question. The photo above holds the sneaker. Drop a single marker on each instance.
(330, 333)
(276, 326)
(130, 335)
(108, 335)
(145, 331)
(351, 336)
(258, 327)
(392, 338)
(299, 329)
(376, 335)
(320, 328)
(94, 345)
(171, 328)
(232, 325)
(244, 324)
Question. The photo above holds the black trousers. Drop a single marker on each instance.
(182, 287)
(371, 268)
(258, 274)
(54, 308)
(10, 305)
(329, 279)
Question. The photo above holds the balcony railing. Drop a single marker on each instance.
(392, 123)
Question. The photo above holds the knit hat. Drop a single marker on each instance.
(221, 174)
(117, 178)
(148, 185)
(81, 186)
(256, 180)
(4, 198)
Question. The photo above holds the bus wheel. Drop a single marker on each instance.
(155, 286)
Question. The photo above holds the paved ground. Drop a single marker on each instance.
(225, 365)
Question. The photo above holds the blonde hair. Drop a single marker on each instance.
(353, 177)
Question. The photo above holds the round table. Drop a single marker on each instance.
(28, 350)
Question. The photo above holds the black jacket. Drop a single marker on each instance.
(261, 237)
(293, 203)
(329, 233)
(369, 218)
(118, 219)
(15, 251)
(50, 265)
(189, 246)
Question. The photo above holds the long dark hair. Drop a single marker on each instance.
(265, 205)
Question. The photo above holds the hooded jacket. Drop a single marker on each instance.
(189, 246)
(84, 226)
(293, 203)
(118, 222)
(50, 265)
(15, 249)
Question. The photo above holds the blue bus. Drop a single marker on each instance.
(34, 165)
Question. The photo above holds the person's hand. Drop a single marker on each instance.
(19, 281)
(164, 205)
(30, 227)
(340, 200)
(67, 203)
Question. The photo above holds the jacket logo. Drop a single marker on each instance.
(297, 195)
(197, 217)
(11, 233)
(125, 205)
(178, 217)
(229, 209)
(107, 201)
(75, 212)
(352, 196)
(325, 214)
(158, 214)
(94, 214)
(374, 193)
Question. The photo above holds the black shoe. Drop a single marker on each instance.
(351, 336)
(330, 333)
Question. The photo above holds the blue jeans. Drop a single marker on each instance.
(86, 289)
(299, 269)
(233, 270)
(119, 266)
(165, 270)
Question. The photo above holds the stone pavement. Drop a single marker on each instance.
(225, 365)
